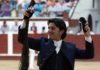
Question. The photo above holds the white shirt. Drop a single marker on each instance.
(58, 45)
(14, 28)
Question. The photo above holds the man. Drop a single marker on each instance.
(54, 52)
(4, 27)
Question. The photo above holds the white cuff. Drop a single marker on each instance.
(89, 39)
(23, 25)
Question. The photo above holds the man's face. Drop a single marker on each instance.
(54, 32)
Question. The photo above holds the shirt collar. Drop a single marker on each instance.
(57, 43)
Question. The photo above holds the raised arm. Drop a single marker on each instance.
(89, 50)
(22, 37)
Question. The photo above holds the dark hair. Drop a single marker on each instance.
(82, 23)
(82, 20)
(90, 21)
(60, 24)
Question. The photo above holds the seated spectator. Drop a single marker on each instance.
(55, 9)
(4, 28)
(70, 3)
(15, 27)
(20, 10)
(61, 7)
(52, 9)
(0, 8)
(38, 8)
(43, 30)
(25, 4)
(44, 12)
(0, 11)
(13, 3)
(6, 8)
(13, 6)
(33, 28)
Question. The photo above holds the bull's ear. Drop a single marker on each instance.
(32, 3)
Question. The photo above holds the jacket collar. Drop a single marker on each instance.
(66, 49)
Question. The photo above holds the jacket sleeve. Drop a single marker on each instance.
(87, 53)
(34, 43)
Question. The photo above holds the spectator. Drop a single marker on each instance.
(70, 3)
(56, 8)
(34, 28)
(25, 4)
(15, 27)
(6, 8)
(14, 6)
(4, 28)
(52, 9)
(13, 3)
(61, 7)
(44, 12)
(20, 10)
(43, 30)
(0, 8)
(38, 7)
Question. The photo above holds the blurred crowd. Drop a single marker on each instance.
(42, 8)
(35, 28)
(12, 27)
(5, 28)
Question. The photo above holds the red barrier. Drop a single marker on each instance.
(78, 40)
(17, 46)
(3, 43)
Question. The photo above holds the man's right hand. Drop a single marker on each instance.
(28, 13)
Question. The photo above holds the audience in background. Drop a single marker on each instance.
(14, 27)
(38, 8)
(33, 28)
(4, 27)
(25, 4)
(20, 11)
(52, 9)
(43, 8)
(61, 7)
(43, 30)
(1, 8)
(14, 7)
(6, 8)
(44, 12)
(55, 8)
